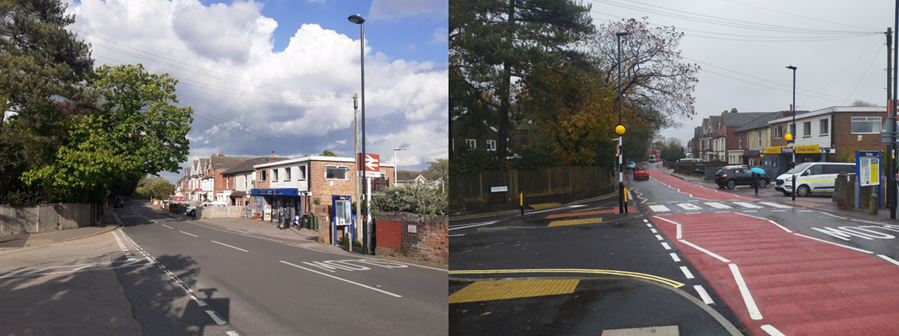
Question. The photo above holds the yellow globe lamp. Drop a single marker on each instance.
(788, 137)
(619, 129)
(762, 155)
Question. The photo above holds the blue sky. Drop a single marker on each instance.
(280, 75)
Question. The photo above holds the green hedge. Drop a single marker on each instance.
(414, 198)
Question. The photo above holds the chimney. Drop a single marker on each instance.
(273, 153)
(221, 153)
(213, 154)
(733, 110)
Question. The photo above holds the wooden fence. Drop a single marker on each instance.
(47, 217)
(467, 188)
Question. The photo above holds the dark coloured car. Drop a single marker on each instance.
(118, 204)
(733, 176)
(640, 172)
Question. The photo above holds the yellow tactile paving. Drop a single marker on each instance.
(512, 289)
(575, 222)
(542, 206)
(659, 279)
(588, 209)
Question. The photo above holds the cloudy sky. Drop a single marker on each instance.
(280, 75)
(744, 47)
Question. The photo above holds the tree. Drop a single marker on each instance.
(139, 132)
(154, 187)
(438, 169)
(328, 153)
(859, 103)
(494, 42)
(655, 84)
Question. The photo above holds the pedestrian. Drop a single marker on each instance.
(755, 177)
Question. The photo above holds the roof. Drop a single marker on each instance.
(740, 119)
(834, 109)
(228, 162)
(310, 158)
(247, 164)
(407, 175)
(759, 122)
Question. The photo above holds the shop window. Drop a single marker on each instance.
(337, 172)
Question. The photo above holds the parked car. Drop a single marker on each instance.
(686, 160)
(812, 177)
(631, 165)
(640, 172)
(732, 176)
(192, 211)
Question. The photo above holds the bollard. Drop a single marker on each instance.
(872, 204)
(521, 202)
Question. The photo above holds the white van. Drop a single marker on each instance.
(812, 177)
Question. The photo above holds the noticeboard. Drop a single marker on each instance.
(867, 167)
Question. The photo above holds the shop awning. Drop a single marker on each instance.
(236, 194)
(751, 153)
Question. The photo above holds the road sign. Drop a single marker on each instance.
(499, 189)
(370, 164)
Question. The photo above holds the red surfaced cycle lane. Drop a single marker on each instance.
(695, 190)
(799, 286)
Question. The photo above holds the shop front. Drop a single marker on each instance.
(779, 160)
(278, 204)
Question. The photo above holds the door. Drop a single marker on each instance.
(816, 179)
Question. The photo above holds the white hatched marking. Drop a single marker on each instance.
(772, 330)
(776, 205)
(705, 251)
(747, 205)
(689, 206)
(659, 208)
(718, 205)
(687, 272)
(704, 295)
(674, 256)
(341, 279)
(754, 312)
(824, 241)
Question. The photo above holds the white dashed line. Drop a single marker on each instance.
(659, 237)
(199, 302)
(834, 216)
(168, 226)
(754, 312)
(687, 272)
(653, 230)
(704, 295)
(665, 245)
(223, 244)
(649, 225)
(674, 256)
(188, 234)
(215, 317)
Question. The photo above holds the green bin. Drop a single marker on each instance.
(315, 223)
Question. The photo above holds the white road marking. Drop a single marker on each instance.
(834, 216)
(778, 210)
(34, 271)
(653, 230)
(241, 231)
(215, 317)
(645, 220)
(754, 312)
(750, 211)
(776, 205)
(778, 225)
(168, 226)
(649, 225)
(678, 232)
(232, 333)
(659, 208)
(659, 237)
(806, 210)
(689, 206)
(665, 245)
(456, 235)
(764, 219)
(188, 234)
(888, 259)
(674, 256)
(466, 226)
(672, 222)
(704, 295)
(824, 241)
(223, 244)
(718, 205)
(122, 246)
(747, 205)
(705, 251)
(198, 301)
(341, 279)
(686, 272)
(772, 330)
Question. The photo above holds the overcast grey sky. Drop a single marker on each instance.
(272, 75)
(744, 47)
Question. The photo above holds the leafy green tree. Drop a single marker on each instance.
(493, 41)
(438, 169)
(475, 161)
(328, 153)
(154, 187)
(139, 131)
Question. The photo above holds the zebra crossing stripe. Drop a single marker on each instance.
(717, 205)
(747, 205)
(772, 204)
(659, 208)
(689, 206)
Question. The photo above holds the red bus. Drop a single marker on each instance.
(654, 155)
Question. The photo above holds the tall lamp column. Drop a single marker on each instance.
(791, 136)
(622, 192)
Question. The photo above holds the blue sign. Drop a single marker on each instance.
(276, 192)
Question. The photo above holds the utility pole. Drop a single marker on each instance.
(356, 155)
(891, 123)
(892, 179)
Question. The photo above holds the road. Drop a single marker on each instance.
(761, 265)
(260, 287)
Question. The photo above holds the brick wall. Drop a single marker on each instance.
(268, 178)
(322, 188)
(429, 243)
(844, 140)
(219, 183)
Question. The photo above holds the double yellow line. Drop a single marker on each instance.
(644, 276)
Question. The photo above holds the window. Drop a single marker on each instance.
(337, 172)
(491, 145)
(778, 132)
(287, 174)
(472, 143)
(275, 175)
(752, 162)
(262, 175)
(807, 129)
(823, 129)
(228, 183)
(866, 125)
(760, 138)
(301, 173)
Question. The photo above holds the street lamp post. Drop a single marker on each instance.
(793, 136)
(358, 19)
(622, 193)
(395, 165)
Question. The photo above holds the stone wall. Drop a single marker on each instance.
(420, 237)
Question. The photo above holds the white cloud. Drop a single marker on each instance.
(393, 9)
(440, 35)
(249, 100)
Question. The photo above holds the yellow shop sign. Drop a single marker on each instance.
(807, 149)
(772, 150)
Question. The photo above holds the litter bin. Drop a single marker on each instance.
(314, 222)
(305, 222)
